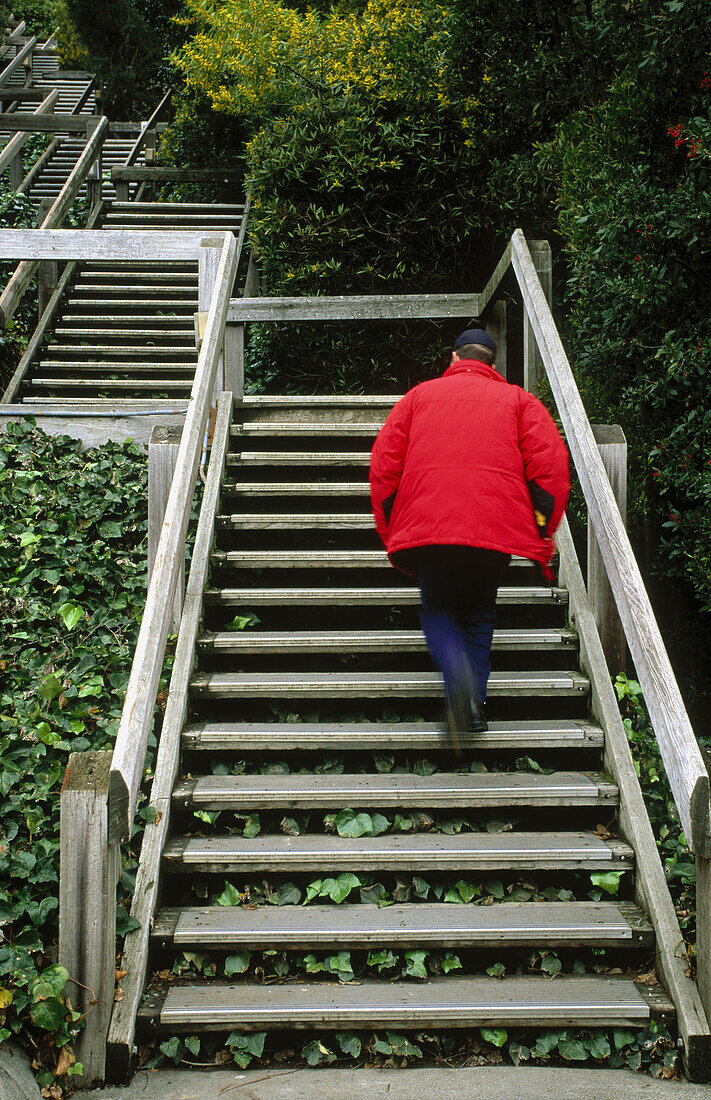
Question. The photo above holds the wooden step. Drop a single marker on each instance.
(369, 641)
(375, 791)
(311, 854)
(150, 384)
(296, 489)
(313, 428)
(377, 685)
(530, 1001)
(368, 597)
(298, 458)
(314, 559)
(517, 736)
(342, 927)
(297, 521)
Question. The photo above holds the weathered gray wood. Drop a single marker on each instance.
(251, 282)
(493, 284)
(47, 270)
(14, 94)
(89, 865)
(48, 124)
(650, 883)
(208, 265)
(137, 716)
(135, 957)
(533, 369)
(553, 924)
(38, 167)
(376, 685)
(442, 791)
(384, 736)
(17, 63)
(162, 457)
(15, 144)
(83, 99)
(425, 851)
(367, 596)
(234, 360)
(702, 1065)
(147, 128)
(20, 279)
(37, 339)
(496, 327)
(96, 423)
(680, 752)
(613, 450)
(168, 174)
(100, 244)
(353, 308)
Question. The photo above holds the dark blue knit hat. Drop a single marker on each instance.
(475, 336)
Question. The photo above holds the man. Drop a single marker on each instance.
(466, 471)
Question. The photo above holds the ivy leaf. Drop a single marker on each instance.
(316, 1053)
(71, 614)
(50, 687)
(229, 896)
(609, 881)
(495, 1035)
(237, 963)
(572, 1050)
(349, 1043)
(416, 964)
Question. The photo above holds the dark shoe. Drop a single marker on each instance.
(477, 720)
(458, 718)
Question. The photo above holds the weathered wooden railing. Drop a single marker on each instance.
(679, 749)
(87, 168)
(145, 143)
(99, 800)
(22, 59)
(12, 153)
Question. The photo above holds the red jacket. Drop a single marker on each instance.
(469, 460)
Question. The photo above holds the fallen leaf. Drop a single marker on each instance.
(119, 974)
(65, 1060)
(118, 995)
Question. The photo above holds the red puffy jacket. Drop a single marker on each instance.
(469, 460)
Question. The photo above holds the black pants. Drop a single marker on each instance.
(458, 587)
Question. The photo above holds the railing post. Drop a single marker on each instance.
(533, 369)
(234, 360)
(612, 445)
(703, 931)
(16, 172)
(208, 262)
(162, 457)
(496, 327)
(88, 872)
(94, 178)
(47, 270)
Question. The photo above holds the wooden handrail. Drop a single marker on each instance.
(81, 102)
(353, 307)
(150, 125)
(16, 143)
(21, 277)
(102, 244)
(17, 60)
(684, 764)
(139, 706)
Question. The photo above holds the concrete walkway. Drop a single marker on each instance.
(484, 1083)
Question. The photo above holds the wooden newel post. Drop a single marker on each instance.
(162, 457)
(533, 369)
(47, 270)
(208, 262)
(612, 446)
(495, 322)
(88, 872)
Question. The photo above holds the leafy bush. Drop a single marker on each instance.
(72, 586)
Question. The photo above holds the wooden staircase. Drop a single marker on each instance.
(123, 331)
(326, 701)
